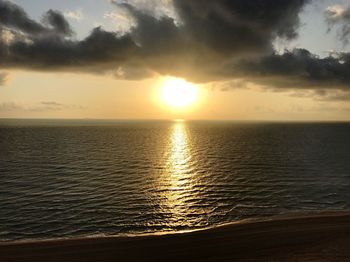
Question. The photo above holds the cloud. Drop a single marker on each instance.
(203, 41)
(122, 20)
(323, 95)
(3, 78)
(53, 106)
(155, 8)
(298, 69)
(9, 106)
(51, 103)
(38, 107)
(76, 15)
(338, 14)
(338, 96)
(209, 30)
(230, 85)
(56, 21)
(14, 17)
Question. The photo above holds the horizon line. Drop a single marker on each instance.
(182, 120)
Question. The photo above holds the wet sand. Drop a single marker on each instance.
(318, 237)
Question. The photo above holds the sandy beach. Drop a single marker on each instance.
(318, 237)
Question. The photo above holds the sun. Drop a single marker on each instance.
(178, 93)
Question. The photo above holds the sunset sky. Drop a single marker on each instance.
(245, 60)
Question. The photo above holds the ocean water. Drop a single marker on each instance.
(78, 178)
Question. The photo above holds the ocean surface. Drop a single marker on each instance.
(61, 178)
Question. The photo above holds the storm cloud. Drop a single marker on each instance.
(207, 41)
(299, 69)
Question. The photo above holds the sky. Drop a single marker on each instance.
(248, 60)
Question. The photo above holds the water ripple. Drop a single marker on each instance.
(64, 181)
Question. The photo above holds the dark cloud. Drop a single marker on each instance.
(56, 20)
(100, 51)
(208, 30)
(298, 69)
(49, 45)
(208, 41)
(235, 26)
(211, 34)
(14, 16)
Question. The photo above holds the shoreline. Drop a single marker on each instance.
(281, 217)
(320, 236)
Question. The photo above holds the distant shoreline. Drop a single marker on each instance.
(313, 237)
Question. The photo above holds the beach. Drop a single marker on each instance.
(315, 237)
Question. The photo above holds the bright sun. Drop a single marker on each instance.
(178, 93)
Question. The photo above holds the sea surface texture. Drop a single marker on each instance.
(78, 178)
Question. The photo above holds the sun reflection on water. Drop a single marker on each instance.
(179, 154)
(179, 170)
(178, 184)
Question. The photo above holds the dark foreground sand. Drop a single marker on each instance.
(322, 237)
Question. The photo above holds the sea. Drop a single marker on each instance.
(78, 178)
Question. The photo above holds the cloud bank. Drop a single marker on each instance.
(203, 41)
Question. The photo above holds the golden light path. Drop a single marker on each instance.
(179, 172)
(178, 180)
(180, 155)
